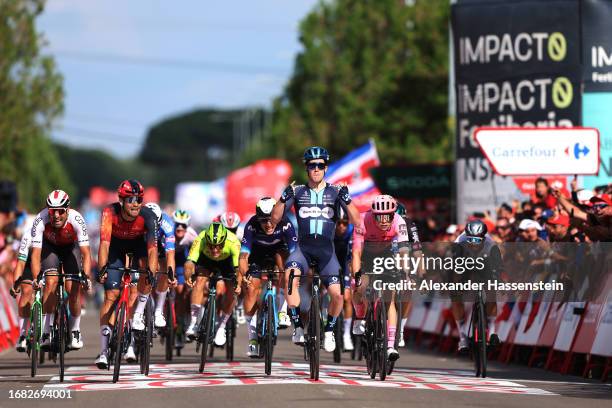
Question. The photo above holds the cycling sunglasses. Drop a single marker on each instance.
(60, 211)
(474, 240)
(213, 247)
(312, 166)
(264, 220)
(180, 226)
(134, 199)
(383, 217)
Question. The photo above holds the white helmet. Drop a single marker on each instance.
(264, 207)
(156, 210)
(58, 199)
(181, 217)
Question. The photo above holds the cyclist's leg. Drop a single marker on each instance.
(330, 278)
(49, 266)
(279, 261)
(72, 266)
(251, 297)
(391, 319)
(198, 297)
(347, 312)
(296, 264)
(161, 291)
(24, 303)
(144, 286)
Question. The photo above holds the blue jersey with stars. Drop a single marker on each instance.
(165, 233)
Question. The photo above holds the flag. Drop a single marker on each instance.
(352, 169)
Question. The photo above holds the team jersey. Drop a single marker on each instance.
(316, 213)
(370, 232)
(231, 248)
(343, 245)
(165, 233)
(254, 235)
(26, 242)
(74, 230)
(182, 246)
(113, 225)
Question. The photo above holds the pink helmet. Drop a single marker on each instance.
(384, 204)
(230, 220)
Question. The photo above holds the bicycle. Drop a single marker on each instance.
(312, 343)
(168, 335)
(478, 335)
(206, 331)
(267, 320)
(122, 331)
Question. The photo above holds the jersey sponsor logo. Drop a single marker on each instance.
(286, 226)
(316, 212)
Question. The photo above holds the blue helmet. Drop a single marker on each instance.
(316, 152)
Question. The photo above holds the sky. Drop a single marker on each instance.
(127, 65)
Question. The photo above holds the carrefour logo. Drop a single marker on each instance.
(577, 151)
(316, 212)
(522, 47)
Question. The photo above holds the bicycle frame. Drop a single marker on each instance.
(478, 335)
(35, 331)
(270, 291)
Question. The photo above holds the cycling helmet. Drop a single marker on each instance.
(58, 199)
(476, 228)
(315, 152)
(384, 204)
(181, 217)
(401, 210)
(216, 234)
(156, 210)
(264, 207)
(129, 188)
(230, 220)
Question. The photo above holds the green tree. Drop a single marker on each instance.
(31, 97)
(369, 69)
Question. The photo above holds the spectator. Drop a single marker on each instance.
(543, 194)
(596, 224)
(503, 230)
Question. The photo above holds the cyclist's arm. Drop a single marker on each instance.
(37, 237)
(353, 213)
(170, 243)
(86, 255)
(243, 266)
(277, 212)
(194, 255)
(151, 239)
(290, 236)
(106, 229)
(18, 270)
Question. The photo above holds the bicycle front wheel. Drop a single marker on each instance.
(207, 333)
(338, 333)
(62, 338)
(119, 334)
(169, 330)
(35, 337)
(370, 351)
(381, 340)
(314, 334)
(269, 337)
(230, 333)
(482, 339)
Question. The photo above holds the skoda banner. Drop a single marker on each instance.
(517, 64)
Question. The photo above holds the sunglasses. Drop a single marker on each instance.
(383, 217)
(265, 220)
(312, 166)
(180, 226)
(214, 247)
(502, 227)
(59, 211)
(599, 206)
(133, 200)
(474, 240)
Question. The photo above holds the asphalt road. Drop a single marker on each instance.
(421, 379)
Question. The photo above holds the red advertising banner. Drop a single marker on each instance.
(245, 186)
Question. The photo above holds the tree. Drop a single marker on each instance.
(369, 69)
(31, 97)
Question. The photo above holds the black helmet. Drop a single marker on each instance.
(315, 152)
(476, 228)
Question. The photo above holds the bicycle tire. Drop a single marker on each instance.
(338, 332)
(230, 330)
(369, 341)
(207, 333)
(148, 339)
(169, 330)
(35, 338)
(381, 343)
(120, 329)
(269, 337)
(315, 337)
(474, 339)
(483, 340)
(62, 328)
(41, 355)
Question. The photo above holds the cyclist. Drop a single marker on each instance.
(165, 253)
(343, 243)
(126, 227)
(380, 224)
(230, 220)
(415, 241)
(59, 234)
(22, 278)
(215, 249)
(317, 210)
(185, 235)
(264, 245)
(475, 242)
